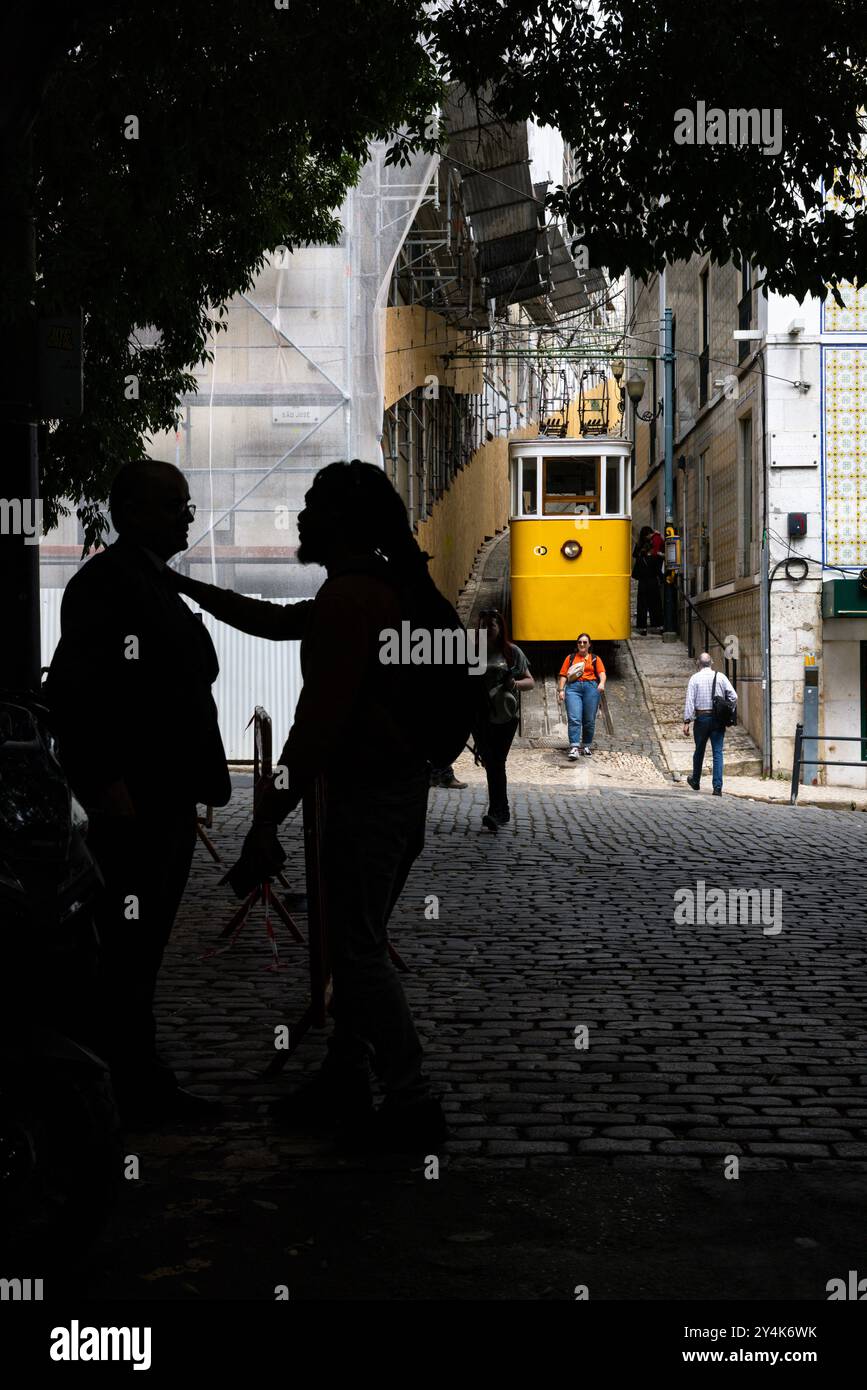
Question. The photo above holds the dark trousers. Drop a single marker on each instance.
(145, 861)
(372, 836)
(705, 729)
(648, 605)
(493, 742)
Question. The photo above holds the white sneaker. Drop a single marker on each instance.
(574, 752)
(587, 751)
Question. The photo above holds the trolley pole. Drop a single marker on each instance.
(669, 633)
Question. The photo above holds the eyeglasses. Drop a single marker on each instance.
(182, 509)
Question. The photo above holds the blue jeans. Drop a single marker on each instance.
(582, 702)
(704, 729)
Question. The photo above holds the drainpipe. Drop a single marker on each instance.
(410, 440)
(669, 622)
(765, 592)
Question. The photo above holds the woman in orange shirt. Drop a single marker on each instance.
(580, 684)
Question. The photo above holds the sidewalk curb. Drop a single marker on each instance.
(821, 803)
(675, 776)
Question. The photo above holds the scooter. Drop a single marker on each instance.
(60, 1163)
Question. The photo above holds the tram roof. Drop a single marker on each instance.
(590, 444)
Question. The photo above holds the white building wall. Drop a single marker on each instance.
(841, 707)
(252, 672)
(797, 459)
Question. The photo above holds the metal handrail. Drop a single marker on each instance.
(800, 761)
(708, 632)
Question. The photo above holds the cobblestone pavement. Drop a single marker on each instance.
(599, 1157)
(703, 1040)
(605, 1165)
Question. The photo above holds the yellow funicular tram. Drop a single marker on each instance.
(571, 538)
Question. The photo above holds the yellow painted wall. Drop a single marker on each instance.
(612, 422)
(416, 340)
(475, 506)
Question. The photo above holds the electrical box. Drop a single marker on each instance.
(797, 523)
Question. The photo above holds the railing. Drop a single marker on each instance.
(800, 761)
(731, 663)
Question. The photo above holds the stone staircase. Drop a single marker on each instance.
(664, 669)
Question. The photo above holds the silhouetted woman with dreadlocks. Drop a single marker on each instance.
(352, 727)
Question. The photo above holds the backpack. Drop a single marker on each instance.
(503, 704)
(723, 714)
(438, 700)
(445, 696)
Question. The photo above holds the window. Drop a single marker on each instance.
(571, 486)
(864, 701)
(613, 503)
(652, 408)
(745, 427)
(674, 373)
(704, 538)
(745, 308)
(529, 472)
(704, 335)
(654, 514)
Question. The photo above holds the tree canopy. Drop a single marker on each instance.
(611, 77)
(250, 124)
(251, 121)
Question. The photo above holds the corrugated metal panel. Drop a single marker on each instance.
(252, 672)
(539, 310)
(514, 282)
(509, 250)
(497, 187)
(478, 137)
(593, 281)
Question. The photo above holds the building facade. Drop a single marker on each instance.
(770, 494)
(412, 343)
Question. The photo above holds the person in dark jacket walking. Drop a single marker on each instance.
(129, 692)
(647, 570)
(507, 673)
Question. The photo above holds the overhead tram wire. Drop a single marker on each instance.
(717, 361)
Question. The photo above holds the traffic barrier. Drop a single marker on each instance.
(800, 761)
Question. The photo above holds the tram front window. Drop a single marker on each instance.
(528, 487)
(612, 487)
(571, 486)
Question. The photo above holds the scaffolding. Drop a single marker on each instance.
(298, 379)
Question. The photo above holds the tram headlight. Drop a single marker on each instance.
(570, 550)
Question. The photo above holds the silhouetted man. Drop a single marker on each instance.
(130, 694)
(355, 726)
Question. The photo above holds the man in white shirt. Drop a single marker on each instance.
(698, 710)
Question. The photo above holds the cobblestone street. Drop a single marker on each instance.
(703, 1042)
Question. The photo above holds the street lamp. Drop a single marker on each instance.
(635, 391)
(617, 369)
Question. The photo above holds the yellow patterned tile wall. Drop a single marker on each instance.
(845, 479)
(852, 318)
